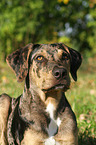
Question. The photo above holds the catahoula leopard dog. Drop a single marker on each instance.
(42, 114)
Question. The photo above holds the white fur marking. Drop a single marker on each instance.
(54, 124)
(58, 121)
(51, 141)
(50, 109)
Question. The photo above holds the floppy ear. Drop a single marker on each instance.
(76, 60)
(18, 61)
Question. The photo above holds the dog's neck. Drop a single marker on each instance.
(47, 97)
(44, 100)
(53, 97)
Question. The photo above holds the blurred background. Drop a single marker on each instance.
(72, 22)
(47, 21)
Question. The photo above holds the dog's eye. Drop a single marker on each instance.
(40, 58)
(65, 56)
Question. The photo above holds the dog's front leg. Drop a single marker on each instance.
(32, 137)
(67, 131)
(67, 136)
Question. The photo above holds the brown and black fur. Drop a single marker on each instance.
(45, 69)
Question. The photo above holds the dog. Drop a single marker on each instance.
(42, 114)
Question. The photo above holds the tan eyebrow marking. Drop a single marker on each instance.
(66, 48)
(60, 51)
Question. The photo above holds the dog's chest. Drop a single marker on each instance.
(53, 125)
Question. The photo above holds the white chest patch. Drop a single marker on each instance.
(51, 141)
(54, 124)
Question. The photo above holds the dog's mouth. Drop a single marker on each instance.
(57, 87)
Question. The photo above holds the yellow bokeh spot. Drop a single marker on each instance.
(65, 1)
(4, 79)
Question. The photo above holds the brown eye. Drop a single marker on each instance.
(65, 56)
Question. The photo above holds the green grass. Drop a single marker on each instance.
(8, 82)
(82, 97)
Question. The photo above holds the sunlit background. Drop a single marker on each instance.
(72, 22)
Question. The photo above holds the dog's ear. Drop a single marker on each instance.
(75, 61)
(18, 61)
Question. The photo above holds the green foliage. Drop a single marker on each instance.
(47, 21)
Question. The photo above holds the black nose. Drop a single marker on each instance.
(59, 73)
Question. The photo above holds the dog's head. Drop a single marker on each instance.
(46, 66)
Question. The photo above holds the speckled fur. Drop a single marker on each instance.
(25, 121)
